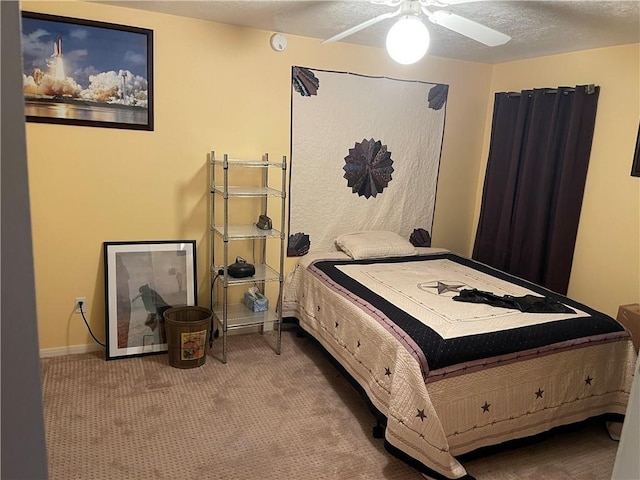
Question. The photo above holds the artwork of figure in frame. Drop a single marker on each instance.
(142, 281)
(635, 167)
(82, 72)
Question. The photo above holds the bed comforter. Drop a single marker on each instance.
(451, 377)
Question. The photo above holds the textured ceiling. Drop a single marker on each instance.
(537, 28)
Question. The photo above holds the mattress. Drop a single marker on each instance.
(450, 376)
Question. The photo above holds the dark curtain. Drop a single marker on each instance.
(534, 183)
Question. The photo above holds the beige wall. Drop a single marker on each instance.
(221, 87)
(216, 87)
(606, 265)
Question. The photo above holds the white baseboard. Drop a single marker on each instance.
(92, 347)
(69, 350)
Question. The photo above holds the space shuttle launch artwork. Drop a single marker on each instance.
(57, 47)
(56, 64)
(90, 73)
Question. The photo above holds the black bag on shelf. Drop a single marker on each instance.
(241, 269)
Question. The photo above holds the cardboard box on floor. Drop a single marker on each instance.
(629, 316)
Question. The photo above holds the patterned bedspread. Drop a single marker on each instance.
(451, 377)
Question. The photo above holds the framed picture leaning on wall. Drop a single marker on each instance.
(142, 281)
(635, 167)
(83, 72)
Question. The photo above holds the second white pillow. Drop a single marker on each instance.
(374, 244)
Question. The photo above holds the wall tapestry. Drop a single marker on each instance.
(365, 154)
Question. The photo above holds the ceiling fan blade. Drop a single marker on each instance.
(469, 28)
(362, 26)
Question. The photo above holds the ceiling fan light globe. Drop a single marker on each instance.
(408, 40)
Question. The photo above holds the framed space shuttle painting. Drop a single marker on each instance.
(82, 72)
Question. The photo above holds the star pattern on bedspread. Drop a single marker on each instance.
(588, 380)
(442, 287)
(387, 371)
(539, 393)
(421, 414)
(358, 344)
(485, 407)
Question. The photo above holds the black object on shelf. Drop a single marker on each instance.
(241, 269)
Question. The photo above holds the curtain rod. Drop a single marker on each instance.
(589, 90)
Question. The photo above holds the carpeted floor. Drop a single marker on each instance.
(260, 416)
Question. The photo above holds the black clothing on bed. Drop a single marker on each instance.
(526, 303)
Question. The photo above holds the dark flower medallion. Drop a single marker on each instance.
(299, 244)
(438, 96)
(368, 168)
(304, 81)
(420, 238)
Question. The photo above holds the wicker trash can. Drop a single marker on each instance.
(187, 332)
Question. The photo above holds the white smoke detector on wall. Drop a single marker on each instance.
(278, 42)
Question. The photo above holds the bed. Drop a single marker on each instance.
(453, 376)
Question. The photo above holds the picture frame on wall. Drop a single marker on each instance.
(142, 281)
(87, 73)
(635, 167)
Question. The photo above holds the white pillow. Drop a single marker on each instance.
(374, 244)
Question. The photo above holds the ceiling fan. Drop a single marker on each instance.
(412, 31)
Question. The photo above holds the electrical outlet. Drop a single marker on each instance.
(84, 304)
